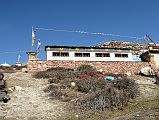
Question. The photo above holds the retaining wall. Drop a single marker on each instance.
(109, 67)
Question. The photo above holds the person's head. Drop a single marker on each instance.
(1, 76)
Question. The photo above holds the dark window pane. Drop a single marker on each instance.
(65, 54)
(106, 55)
(78, 54)
(117, 55)
(124, 55)
(56, 54)
(98, 54)
(86, 54)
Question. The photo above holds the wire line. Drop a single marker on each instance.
(93, 33)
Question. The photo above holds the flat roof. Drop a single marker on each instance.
(86, 47)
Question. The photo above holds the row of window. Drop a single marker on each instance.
(66, 54)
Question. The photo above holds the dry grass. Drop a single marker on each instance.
(134, 107)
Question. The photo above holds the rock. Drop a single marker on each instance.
(148, 71)
(24, 70)
(73, 84)
(14, 104)
(100, 70)
(18, 88)
(128, 73)
(11, 89)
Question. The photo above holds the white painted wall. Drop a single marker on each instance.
(91, 58)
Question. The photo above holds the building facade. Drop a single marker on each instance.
(154, 54)
(82, 53)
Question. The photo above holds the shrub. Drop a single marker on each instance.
(102, 100)
(106, 95)
(128, 85)
(157, 79)
(94, 93)
(18, 67)
(62, 69)
(61, 73)
(56, 94)
(83, 69)
(56, 73)
(91, 84)
(53, 80)
(50, 88)
(41, 74)
(6, 69)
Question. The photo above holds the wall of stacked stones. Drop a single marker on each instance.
(109, 67)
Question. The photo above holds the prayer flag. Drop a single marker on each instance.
(39, 43)
(33, 37)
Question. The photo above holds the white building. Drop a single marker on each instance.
(82, 53)
(5, 64)
(154, 54)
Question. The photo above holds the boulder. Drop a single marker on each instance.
(24, 70)
(148, 71)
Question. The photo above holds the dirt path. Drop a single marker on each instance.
(29, 102)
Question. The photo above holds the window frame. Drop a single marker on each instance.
(120, 55)
(80, 54)
(102, 54)
(60, 54)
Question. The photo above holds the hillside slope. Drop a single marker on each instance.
(28, 101)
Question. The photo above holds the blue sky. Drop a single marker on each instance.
(121, 17)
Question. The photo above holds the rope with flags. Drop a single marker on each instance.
(145, 38)
(92, 33)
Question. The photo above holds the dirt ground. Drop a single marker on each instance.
(28, 101)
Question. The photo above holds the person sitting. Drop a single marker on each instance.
(3, 84)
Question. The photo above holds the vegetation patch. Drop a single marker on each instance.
(90, 93)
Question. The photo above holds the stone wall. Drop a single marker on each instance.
(109, 67)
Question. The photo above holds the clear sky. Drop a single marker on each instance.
(119, 17)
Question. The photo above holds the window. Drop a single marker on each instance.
(56, 54)
(86, 54)
(102, 54)
(106, 55)
(62, 54)
(82, 54)
(125, 55)
(78, 54)
(98, 54)
(121, 55)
